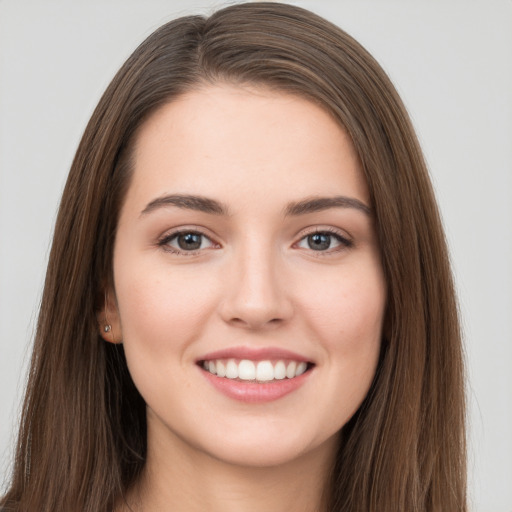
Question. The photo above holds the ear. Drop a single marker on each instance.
(109, 323)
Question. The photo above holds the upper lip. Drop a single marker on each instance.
(254, 354)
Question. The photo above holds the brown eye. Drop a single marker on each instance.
(189, 241)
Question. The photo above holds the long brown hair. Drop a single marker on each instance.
(82, 440)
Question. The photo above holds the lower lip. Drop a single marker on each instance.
(255, 392)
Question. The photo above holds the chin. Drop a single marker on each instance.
(270, 450)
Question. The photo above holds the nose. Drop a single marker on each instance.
(256, 296)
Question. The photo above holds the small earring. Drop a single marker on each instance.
(107, 328)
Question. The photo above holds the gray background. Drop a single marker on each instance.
(450, 60)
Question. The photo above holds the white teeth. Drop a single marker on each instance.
(261, 371)
(280, 371)
(301, 368)
(246, 370)
(231, 370)
(221, 369)
(290, 369)
(264, 371)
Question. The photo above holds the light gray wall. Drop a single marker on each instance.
(451, 61)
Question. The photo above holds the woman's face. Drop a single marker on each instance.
(250, 293)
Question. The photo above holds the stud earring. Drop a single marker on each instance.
(107, 328)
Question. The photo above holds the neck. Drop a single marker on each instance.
(177, 478)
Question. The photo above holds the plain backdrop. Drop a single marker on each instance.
(451, 62)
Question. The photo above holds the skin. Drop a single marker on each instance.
(255, 282)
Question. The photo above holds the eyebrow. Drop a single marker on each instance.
(211, 206)
(318, 204)
(187, 202)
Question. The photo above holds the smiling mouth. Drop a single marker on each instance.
(255, 371)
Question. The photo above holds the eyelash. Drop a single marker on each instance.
(345, 243)
(167, 238)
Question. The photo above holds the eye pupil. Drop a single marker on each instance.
(189, 241)
(319, 241)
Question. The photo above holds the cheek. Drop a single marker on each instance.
(346, 318)
(348, 308)
(163, 312)
(162, 307)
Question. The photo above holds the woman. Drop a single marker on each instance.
(248, 302)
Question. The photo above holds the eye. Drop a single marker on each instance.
(323, 241)
(186, 241)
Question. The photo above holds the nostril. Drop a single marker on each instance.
(255, 302)
(256, 322)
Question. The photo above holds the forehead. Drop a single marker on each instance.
(224, 139)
